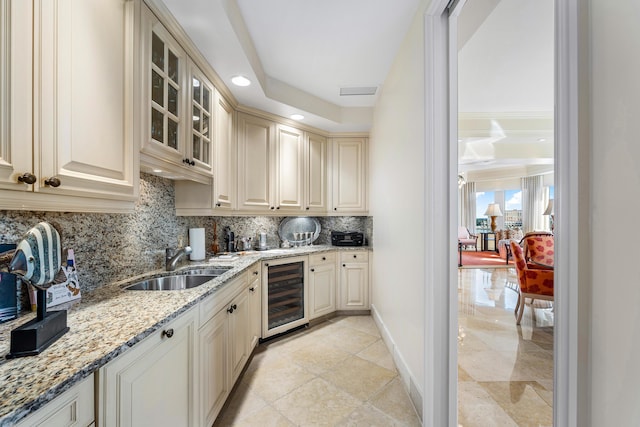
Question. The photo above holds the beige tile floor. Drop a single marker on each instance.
(337, 373)
(505, 371)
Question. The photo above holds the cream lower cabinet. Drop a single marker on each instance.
(223, 346)
(322, 284)
(74, 407)
(255, 307)
(354, 281)
(68, 129)
(153, 382)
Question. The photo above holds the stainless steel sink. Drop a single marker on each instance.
(207, 271)
(171, 283)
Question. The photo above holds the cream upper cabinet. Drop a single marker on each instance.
(176, 107)
(224, 155)
(349, 175)
(316, 176)
(290, 168)
(68, 105)
(200, 134)
(255, 163)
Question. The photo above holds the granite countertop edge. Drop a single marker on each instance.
(18, 400)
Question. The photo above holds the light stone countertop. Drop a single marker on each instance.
(104, 324)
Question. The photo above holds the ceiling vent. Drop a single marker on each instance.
(351, 91)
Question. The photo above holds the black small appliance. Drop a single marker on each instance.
(347, 238)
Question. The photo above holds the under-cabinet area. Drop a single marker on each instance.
(195, 342)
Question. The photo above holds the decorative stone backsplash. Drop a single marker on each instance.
(111, 247)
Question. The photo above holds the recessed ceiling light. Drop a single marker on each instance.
(240, 81)
(297, 116)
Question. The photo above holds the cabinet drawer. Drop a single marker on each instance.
(354, 256)
(214, 303)
(324, 258)
(74, 407)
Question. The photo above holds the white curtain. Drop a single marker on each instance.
(535, 197)
(467, 206)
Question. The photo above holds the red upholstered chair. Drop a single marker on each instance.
(534, 283)
(539, 249)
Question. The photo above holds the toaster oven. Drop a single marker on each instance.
(347, 238)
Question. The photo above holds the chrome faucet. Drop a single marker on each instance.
(172, 256)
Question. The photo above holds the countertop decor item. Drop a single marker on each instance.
(37, 260)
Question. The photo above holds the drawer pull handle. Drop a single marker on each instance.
(167, 333)
(233, 307)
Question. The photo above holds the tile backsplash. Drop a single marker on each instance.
(111, 247)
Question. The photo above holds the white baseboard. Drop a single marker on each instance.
(407, 377)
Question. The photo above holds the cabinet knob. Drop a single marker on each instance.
(232, 308)
(167, 333)
(252, 289)
(307, 207)
(218, 204)
(192, 163)
(313, 269)
(335, 209)
(27, 178)
(52, 182)
(255, 273)
(324, 258)
(278, 207)
(266, 264)
(355, 256)
(271, 208)
(344, 265)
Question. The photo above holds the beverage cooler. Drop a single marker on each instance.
(284, 295)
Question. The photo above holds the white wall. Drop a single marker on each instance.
(615, 182)
(397, 204)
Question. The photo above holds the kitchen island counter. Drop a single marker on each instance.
(104, 324)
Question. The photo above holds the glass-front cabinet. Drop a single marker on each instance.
(201, 120)
(177, 103)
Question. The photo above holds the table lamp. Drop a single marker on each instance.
(549, 211)
(493, 211)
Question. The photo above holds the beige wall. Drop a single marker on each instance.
(615, 187)
(397, 204)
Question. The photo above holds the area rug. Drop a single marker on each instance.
(473, 259)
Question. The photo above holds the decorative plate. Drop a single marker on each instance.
(291, 225)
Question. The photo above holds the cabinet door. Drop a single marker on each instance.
(16, 138)
(74, 407)
(349, 174)
(152, 383)
(213, 375)
(354, 286)
(163, 99)
(255, 142)
(255, 307)
(83, 103)
(290, 167)
(199, 154)
(322, 285)
(224, 155)
(239, 333)
(316, 184)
